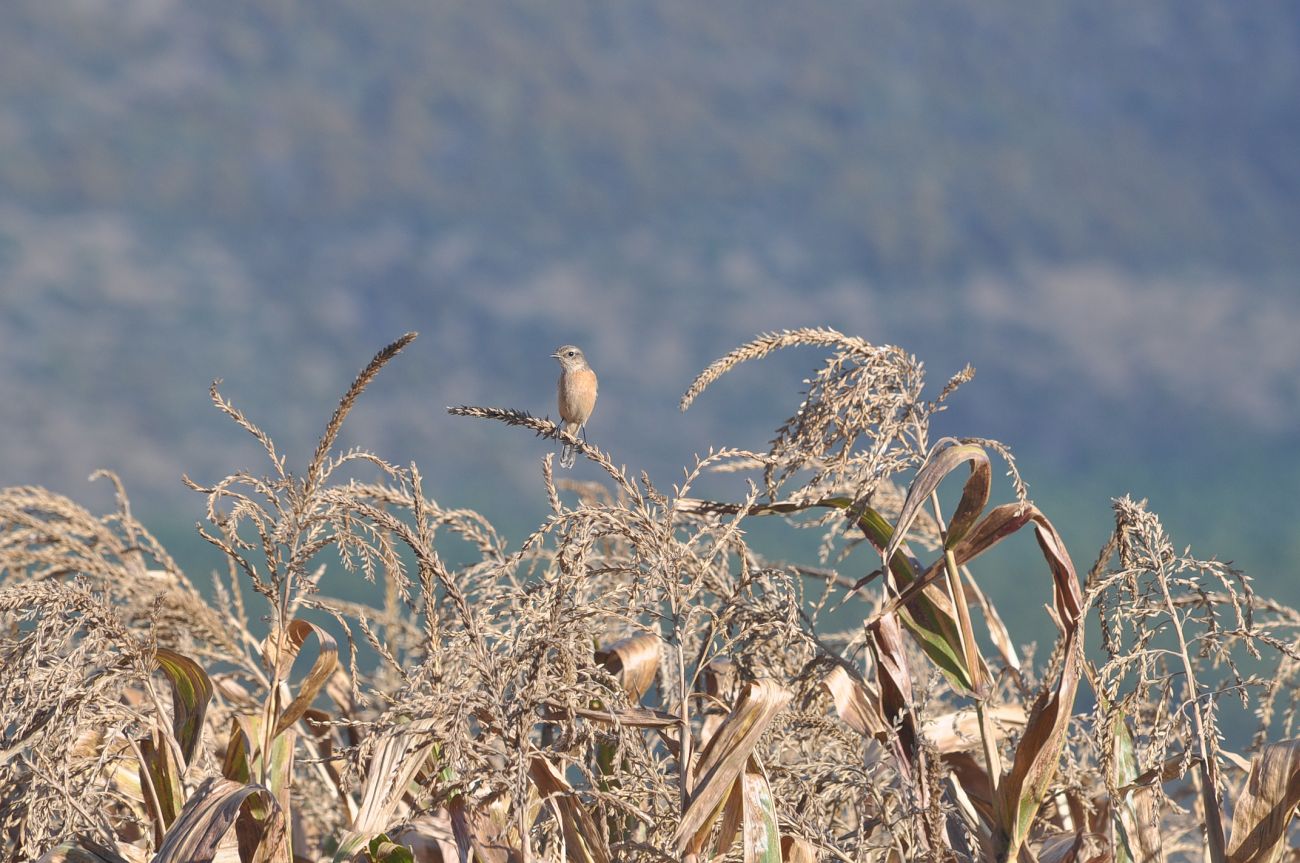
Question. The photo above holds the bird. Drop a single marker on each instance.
(576, 390)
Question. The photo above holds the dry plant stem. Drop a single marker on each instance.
(1209, 768)
(957, 594)
(684, 762)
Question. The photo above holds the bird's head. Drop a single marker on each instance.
(570, 357)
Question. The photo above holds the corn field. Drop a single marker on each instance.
(632, 681)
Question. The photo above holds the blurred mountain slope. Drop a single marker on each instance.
(1096, 203)
(951, 137)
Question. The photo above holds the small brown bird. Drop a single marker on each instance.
(577, 396)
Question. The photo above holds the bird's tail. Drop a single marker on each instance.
(569, 454)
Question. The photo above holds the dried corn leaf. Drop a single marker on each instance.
(796, 850)
(191, 692)
(886, 643)
(484, 831)
(83, 851)
(397, 759)
(160, 778)
(724, 759)
(244, 762)
(634, 661)
(241, 749)
(750, 810)
(958, 731)
(945, 457)
(1000, 522)
(856, 702)
(582, 840)
(210, 813)
(762, 836)
(1038, 752)
(1080, 847)
(322, 668)
(927, 613)
(925, 610)
(1137, 834)
(718, 681)
(1266, 805)
(633, 717)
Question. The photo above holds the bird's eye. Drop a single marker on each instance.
(572, 353)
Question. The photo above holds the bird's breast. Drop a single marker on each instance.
(577, 395)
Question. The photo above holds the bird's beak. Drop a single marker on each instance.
(555, 356)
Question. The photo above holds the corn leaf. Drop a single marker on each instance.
(327, 659)
(1137, 836)
(750, 809)
(582, 840)
(397, 760)
(1000, 522)
(634, 661)
(762, 835)
(796, 850)
(384, 850)
(1038, 753)
(82, 851)
(210, 813)
(928, 615)
(160, 776)
(886, 643)
(241, 749)
(724, 759)
(856, 702)
(1266, 805)
(945, 457)
(633, 717)
(484, 832)
(959, 730)
(191, 692)
(1073, 848)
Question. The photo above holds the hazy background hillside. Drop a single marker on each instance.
(1095, 203)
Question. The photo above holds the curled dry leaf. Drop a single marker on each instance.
(856, 702)
(958, 731)
(210, 813)
(1266, 805)
(724, 759)
(295, 634)
(191, 692)
(583, 842)
(945, 457)
(634, 661)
